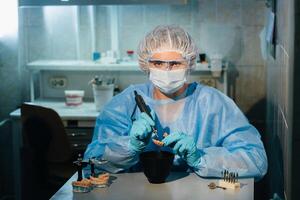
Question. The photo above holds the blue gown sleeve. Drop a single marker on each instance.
(111, 134)
(238, 146)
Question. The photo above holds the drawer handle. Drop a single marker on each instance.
(78, 145)
(77, 134)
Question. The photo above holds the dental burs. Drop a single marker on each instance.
(230, 180)
(144, 108)
(230, 176)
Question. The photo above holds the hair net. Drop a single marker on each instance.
(167, 38)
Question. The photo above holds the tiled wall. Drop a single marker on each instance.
(279, 110)
(228, 27)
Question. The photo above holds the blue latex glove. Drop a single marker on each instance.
(184, 146)
(140, 132)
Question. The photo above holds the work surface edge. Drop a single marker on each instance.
(179, 185)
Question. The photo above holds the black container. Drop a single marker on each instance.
(156, 165)
(202, 57)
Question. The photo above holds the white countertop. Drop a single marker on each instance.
(86, 111)
(179, 185)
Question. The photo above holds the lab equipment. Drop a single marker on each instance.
(202, 58)
(97, 80)
(109, 57)
(218, 127)
(86, 185)
(185, 147)
(79, 164)
(91, 163)
(103, 90)
(82, 186)
(102, 95)
(167, 38)
(144, 108)
(213, 186)
(216, 64)
(100, 181)
(168, 81)
(230, 180)
(74, 97)
(96, 56)
(157, 142)
(156, 165)
(129, 56)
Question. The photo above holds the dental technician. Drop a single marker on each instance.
(206, 130)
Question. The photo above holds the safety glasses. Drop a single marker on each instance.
(167, 64)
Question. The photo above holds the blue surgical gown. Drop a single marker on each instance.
(220, 130)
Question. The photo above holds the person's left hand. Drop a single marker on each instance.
(184, 146)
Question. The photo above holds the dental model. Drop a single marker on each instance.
(160, 143)
(100, 181)
(82, 186)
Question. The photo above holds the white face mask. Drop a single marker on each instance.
(168, 81)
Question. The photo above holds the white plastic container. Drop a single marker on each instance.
(102, 94)
(74, 97)
(216, 65)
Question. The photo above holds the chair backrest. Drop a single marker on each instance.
(44, 132)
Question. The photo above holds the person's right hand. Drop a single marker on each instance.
(140, 132)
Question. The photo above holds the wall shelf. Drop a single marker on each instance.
(81, 65)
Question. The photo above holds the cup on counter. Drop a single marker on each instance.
(216, 65)
(74, 97)
(102, 94)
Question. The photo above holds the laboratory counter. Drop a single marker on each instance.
(178, 186)
(86, 111)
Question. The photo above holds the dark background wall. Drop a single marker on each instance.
(296, 109)
(278, 136)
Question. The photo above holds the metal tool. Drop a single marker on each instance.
(80, 164)
(144, 108)
(92, 162)
(213, 186)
